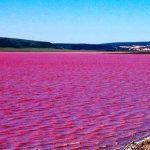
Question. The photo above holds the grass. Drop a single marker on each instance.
(10, 49)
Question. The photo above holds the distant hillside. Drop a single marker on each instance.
(21, 43)
(120, 46)
(12, 44)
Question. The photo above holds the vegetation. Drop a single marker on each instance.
(21, 45)
(10, 49)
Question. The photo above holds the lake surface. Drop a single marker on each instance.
(73, 100)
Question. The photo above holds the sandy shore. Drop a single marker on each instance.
(140, 145)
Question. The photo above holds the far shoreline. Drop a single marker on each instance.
(43, 50)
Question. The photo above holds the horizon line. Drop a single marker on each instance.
(76, 42)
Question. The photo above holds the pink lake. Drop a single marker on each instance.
(73, 100)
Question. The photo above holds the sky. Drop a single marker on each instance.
(76, 21)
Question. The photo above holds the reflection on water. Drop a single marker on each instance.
(73, 101)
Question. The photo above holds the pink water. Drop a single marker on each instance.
(73, 100)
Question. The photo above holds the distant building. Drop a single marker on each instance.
(139, 48)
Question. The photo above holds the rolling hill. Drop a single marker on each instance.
(21, 43)
(13, 44)
(120, 46)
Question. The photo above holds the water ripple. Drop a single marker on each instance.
(73, 101)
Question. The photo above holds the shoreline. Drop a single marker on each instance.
(71, 51)
(139, 145)
(74, 53)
